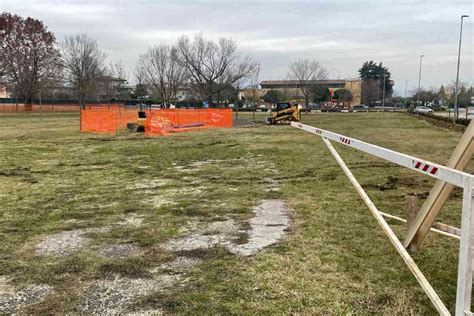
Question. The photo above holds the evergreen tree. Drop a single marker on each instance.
(373, 76)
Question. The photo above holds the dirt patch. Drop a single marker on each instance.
(66, 242)
(207, 236)
(178, 265)
(196, 241)
(114, 296)
(228, 227)
(267, 227)
(63, 243)
(12, 301)
(394, 182)
(21, 172)
(119, 251)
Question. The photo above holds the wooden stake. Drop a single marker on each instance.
(440, 192)
(411, 208)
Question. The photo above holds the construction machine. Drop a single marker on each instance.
(139, 125)
(284, 113)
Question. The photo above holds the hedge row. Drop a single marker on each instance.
(460, 121)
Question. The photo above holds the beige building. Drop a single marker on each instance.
(3, 90)
(292, 88)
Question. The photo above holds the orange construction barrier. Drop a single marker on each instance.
(56, 107)
(108, 118)
(99, 120)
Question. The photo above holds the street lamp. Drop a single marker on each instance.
(456, 91)
(406, 85)
(419, 82)
(383, 89)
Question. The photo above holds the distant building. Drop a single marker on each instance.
(3, 90)
(292, 88)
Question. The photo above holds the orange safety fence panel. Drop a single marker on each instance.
(157, 125)
(113, 117)
(125, 116)
(165, 121)
(11, 108)
(98, 119)
(219, 117)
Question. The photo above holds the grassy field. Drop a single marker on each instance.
(129, 189)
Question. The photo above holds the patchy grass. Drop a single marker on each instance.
(147, 191)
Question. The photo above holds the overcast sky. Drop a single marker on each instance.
(339, 34)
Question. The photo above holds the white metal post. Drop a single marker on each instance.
(464, 286)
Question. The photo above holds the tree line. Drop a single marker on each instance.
(442, 96)
(31, 61)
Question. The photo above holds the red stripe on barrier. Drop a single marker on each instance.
(434, 170)
(418, 164)
(425, 168)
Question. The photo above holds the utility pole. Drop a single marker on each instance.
(419, 82)
(456, 91)
(383, 89)
(406, 84)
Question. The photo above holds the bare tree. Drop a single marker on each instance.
(140, 90)
(254, 83)
(84, 64)
(28, 55)
(159, 68)
(305, 72)
(213, 67)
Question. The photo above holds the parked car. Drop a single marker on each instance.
(360, 108)
(423, 109)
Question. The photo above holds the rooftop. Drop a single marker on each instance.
(295, 82)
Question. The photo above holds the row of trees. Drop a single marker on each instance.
(207, 68)
(443, 96)
(305, 72)
(318, 93)
(31, 61)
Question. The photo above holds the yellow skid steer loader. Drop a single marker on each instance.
(284, 113)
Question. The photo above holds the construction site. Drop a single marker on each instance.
(98, 218)
(236, 158)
